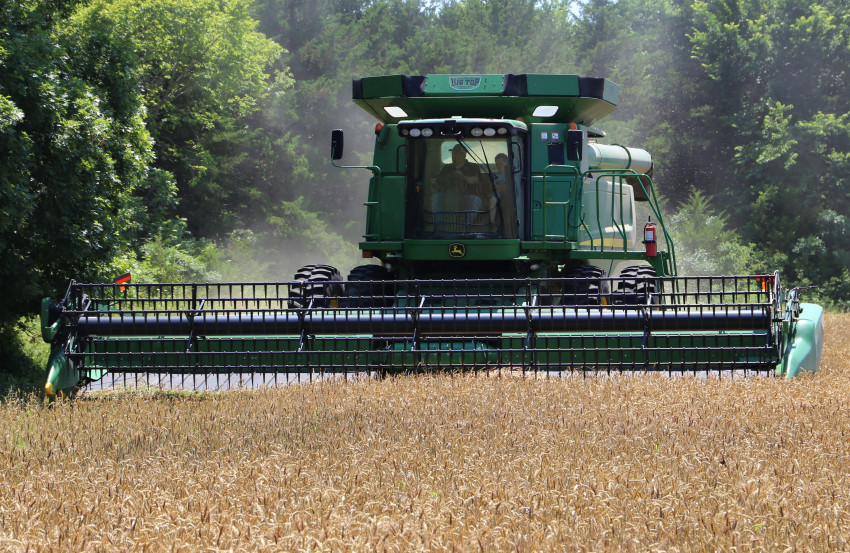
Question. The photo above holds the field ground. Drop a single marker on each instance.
(441, 463)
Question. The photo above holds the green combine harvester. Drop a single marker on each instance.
(508, 239)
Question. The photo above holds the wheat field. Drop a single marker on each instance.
(440, 463)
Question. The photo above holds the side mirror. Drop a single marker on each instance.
(575, 144)
(336, 144)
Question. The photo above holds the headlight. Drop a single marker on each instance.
(415, 133)
(476, 132)
(502, 130)
(427, 131)
(545, 111)
(405, 132)
(489, 131)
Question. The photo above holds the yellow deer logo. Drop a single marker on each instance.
(457, 250)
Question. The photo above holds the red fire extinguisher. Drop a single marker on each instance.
(649, 239)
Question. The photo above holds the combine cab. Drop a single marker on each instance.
(505, 239)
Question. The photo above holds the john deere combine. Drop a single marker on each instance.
(508, 239)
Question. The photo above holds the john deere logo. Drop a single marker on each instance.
(468, 82)
(457, 250)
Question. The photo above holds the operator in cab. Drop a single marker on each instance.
(457, 184)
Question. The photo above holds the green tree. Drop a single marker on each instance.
(777, 70)
(801, 211)
(75, 150)
(204, 69)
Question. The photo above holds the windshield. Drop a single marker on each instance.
(461, 188)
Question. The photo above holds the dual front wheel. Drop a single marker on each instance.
(636, 285)
(322, 286)
(319, 285)
(368, 287)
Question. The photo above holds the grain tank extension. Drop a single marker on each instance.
(503, 234)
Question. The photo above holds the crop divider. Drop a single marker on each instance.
(647, 334)
(419, 301)
(302, 325)
(530, 335)
(190, 317)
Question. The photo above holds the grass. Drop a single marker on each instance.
(440, 463)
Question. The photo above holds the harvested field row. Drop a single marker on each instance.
(441, 463)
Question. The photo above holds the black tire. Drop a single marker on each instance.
(367, 286)
(590, 288)
(319, 283)
(637, 286)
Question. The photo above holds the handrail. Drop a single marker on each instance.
(617, 180)
(376, 173)
(652, 201)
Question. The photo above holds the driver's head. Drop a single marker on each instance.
(458, 155)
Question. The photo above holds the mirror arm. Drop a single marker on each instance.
(374, 168)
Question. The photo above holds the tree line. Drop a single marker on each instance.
(188, 139)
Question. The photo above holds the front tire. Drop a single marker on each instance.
(589, 288)
(320, 284)
(368, 286)
(637, 286)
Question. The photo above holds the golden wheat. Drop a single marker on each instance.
(441, 463)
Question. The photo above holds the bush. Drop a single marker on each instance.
(704, 244)
(163, 262)
(23, 356)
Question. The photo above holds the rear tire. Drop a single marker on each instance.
(367, 286)
(637, 287)
(592, 289)
(319, 283)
